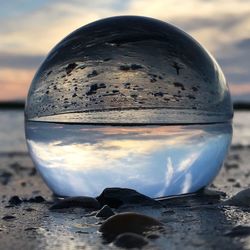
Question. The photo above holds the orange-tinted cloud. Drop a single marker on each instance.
(240, 89)
(14, 83)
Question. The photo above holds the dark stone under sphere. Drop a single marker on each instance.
(133, 69)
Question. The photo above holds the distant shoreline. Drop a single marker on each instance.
(241, 106)
(12, 105)
(21, 105)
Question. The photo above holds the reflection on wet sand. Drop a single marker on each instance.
(154, 160)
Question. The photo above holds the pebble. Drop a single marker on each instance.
(32, 172)
(15, 200)
(36, 199)
(30, 229)
(135, 66)
(92, 74)
(241, 199)
(238, 231)
(124, 67)
(128, 222)
(70, 67)
(153, 236)
(5, 177)
(229, 166)
(105, 212)
(194, 200)
(212, 193)
(81, 232)
(9, 217)
(130, 240)
(79, 201)
(29, 209)
(237, 185)
(116, 197)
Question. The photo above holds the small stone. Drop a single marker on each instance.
(94, 87)
(191, 96)
(9, 206)
(29, 209)
(15, 200)
(238, 231)
(124, 67)
(9, 217)
(107, 59)
(136, 66)
(23, 184)
(212, 193)
(36, 199)
(179, 85)
(237, 184)
(5, 177)
(153, 236)
(32, 172)
(130, 240)
(93, 74)
(80, 201)
(229, 166)
(160, 94)
(203, 196)
(105, 212)
(30, 229)
(241, 199)
(234, 157)
(81, 232)
(127, 85)
(70, 67)
(116, 197)
(236, 147)
(128, 222)
(169, 212)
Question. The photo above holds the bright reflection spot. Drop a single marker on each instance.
(187, 183)
(184, 164)
(168, 176)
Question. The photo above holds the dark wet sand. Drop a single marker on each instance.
(196, 222)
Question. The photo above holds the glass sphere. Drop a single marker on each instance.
(129, 102)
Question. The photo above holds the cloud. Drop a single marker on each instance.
(30, 29)
(39, 29)
(14, 83)
(240, 89)
(18, 61)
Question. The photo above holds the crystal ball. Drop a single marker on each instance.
(130, 102)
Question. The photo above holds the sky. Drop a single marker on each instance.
(31, 28)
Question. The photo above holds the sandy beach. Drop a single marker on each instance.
(200, 221)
